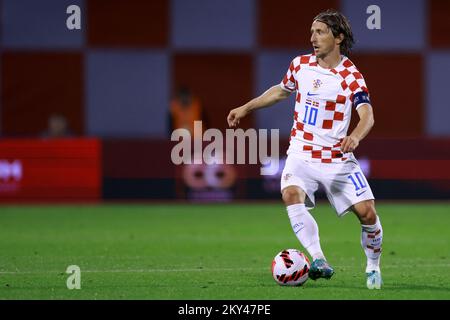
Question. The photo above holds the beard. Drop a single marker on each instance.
(324, 52)
(321, 55)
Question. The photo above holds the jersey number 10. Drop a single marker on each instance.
(310, 115)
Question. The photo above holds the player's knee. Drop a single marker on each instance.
(292, 195)
(368, 214)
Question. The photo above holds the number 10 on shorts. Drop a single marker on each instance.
(358, 180)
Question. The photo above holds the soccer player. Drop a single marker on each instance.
(327, 87)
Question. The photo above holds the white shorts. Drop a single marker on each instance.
(344, 183)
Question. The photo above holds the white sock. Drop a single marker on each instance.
(371, 240)
(306, 229)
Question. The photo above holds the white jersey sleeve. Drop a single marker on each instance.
(289, 82)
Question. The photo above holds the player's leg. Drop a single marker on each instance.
(298, 185)
(303, 223)
(348, 190)
(371, 240)
(307, 231)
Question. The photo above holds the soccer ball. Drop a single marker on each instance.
(290, 267)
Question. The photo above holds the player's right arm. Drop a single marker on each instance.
(268, 98)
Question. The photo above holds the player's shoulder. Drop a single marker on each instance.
(350, 77)
(304, 60)
(347, 67)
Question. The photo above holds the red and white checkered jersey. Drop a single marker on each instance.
(323, 106)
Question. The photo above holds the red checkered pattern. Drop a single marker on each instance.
(289, 81)
(352, 79)
(325, 154)
(324, 103)
(300, 127)
(334, 106)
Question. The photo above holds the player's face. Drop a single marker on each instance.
(322, 39)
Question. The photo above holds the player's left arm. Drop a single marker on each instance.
(366, 122)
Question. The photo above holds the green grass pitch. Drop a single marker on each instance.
(212, 252)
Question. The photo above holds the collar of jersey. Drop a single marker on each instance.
(338, 68)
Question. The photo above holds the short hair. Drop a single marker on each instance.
(338, 24)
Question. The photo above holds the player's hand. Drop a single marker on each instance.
(236, 115)
(349, 144)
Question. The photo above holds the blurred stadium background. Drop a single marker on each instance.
(113, 82)
(86, 117)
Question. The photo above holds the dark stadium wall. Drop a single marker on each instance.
(35, 85)
(132, 24)
(186, 40)
(287, 26)
(131, 169)
(143, 170)
(395, 84)
(438, 26)
(220, 81)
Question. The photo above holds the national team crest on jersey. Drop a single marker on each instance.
(317, 83)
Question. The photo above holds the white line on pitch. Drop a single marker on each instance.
(416, 266)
